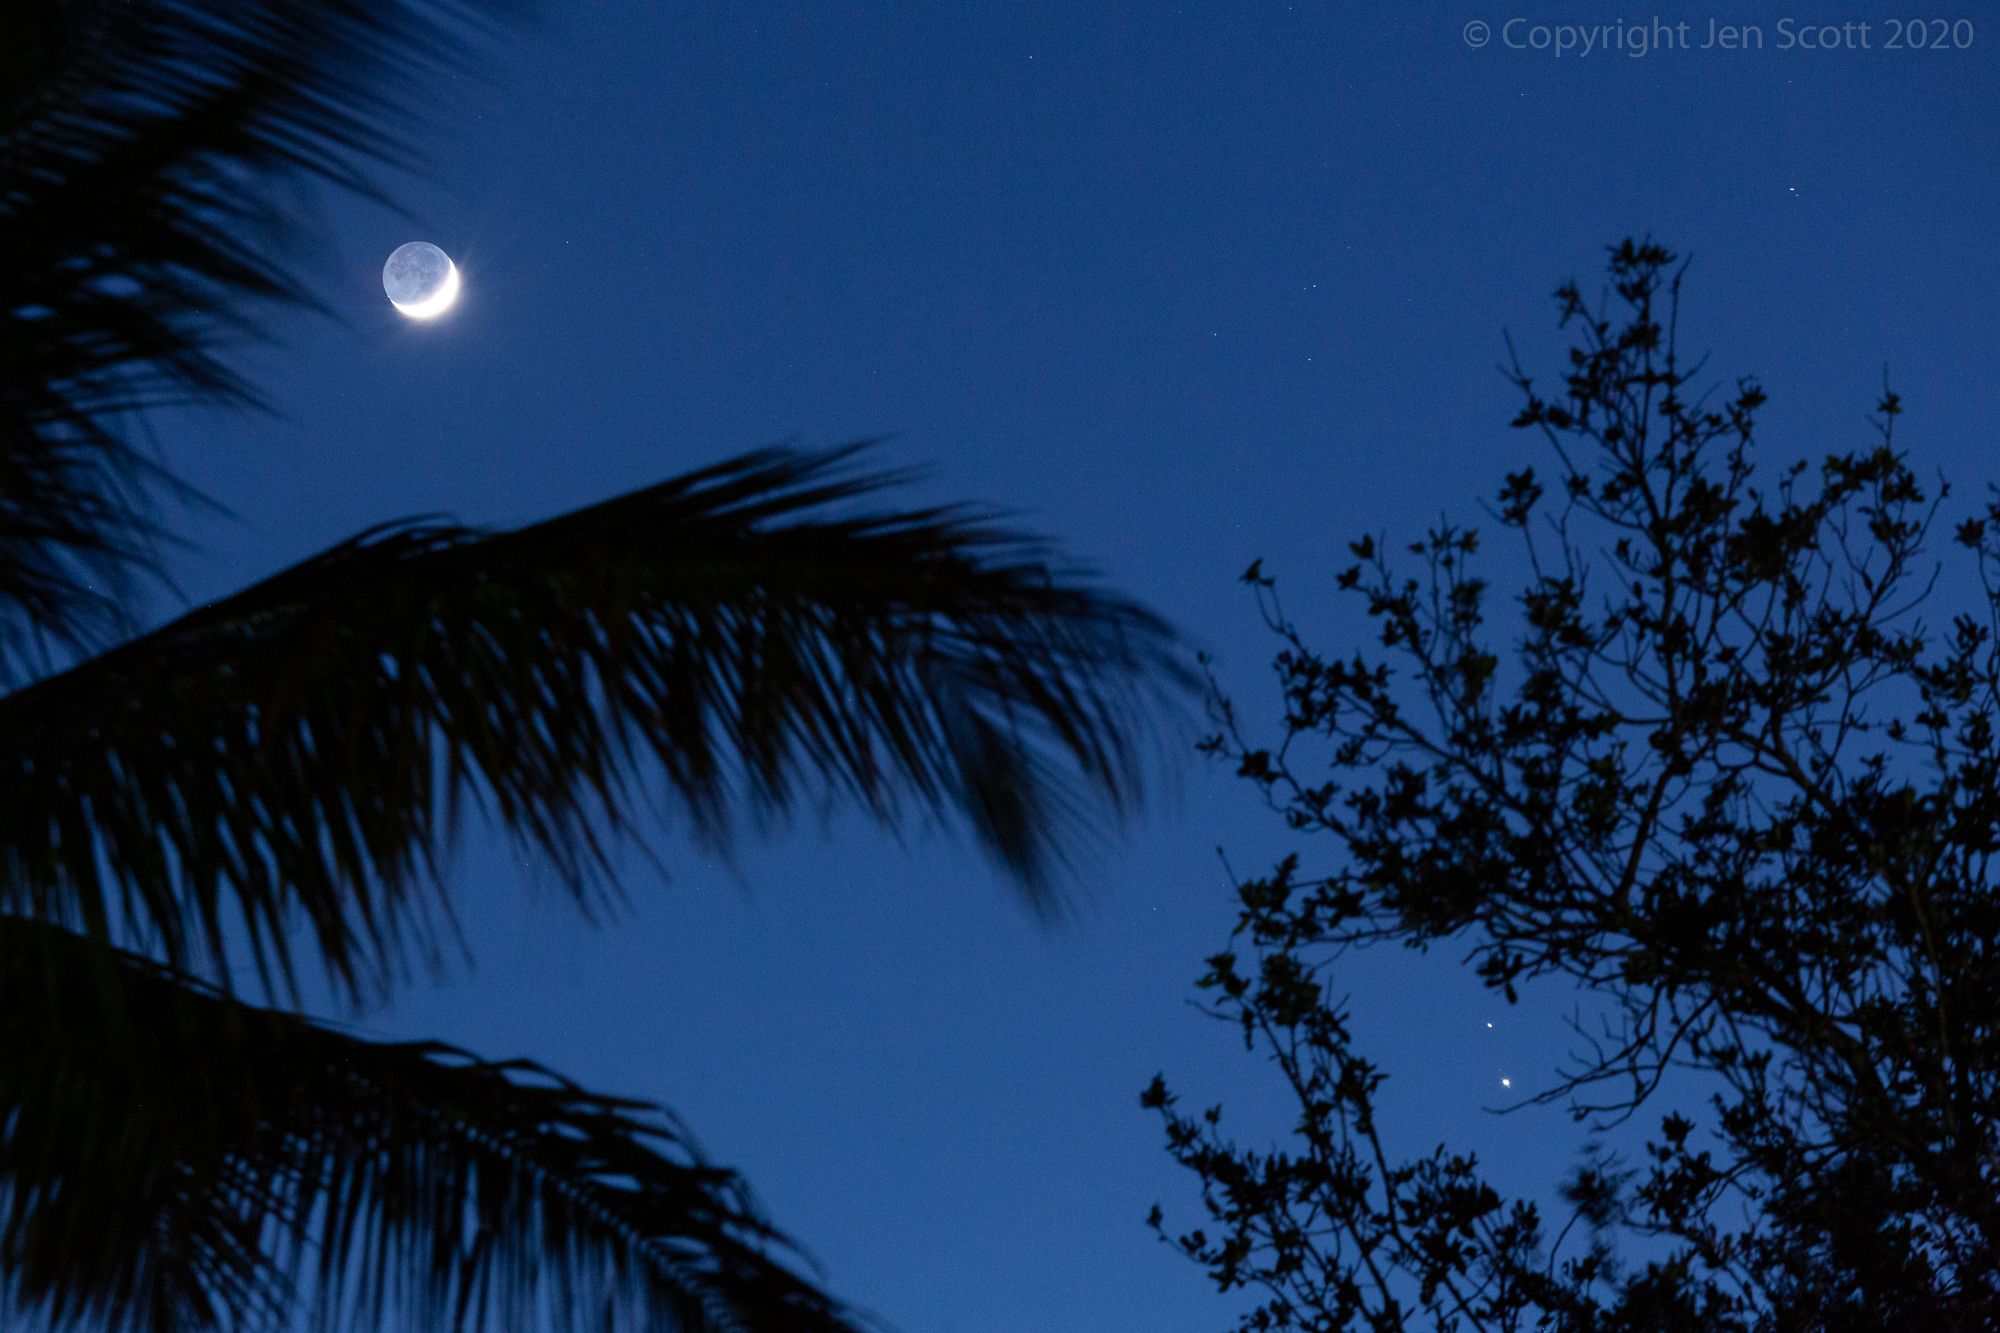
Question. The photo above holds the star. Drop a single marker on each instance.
(1506, 1082)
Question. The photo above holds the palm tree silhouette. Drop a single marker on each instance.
(269, 775)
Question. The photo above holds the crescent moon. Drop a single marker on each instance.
(437, 302)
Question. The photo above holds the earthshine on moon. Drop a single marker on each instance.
(421, 280)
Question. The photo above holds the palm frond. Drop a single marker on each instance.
(171, 1157)
(133, 139)
(294, 751)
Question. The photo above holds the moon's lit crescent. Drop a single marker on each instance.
(437, 302)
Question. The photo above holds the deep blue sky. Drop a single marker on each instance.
(1182, 285)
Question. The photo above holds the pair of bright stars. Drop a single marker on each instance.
(1505, 1082)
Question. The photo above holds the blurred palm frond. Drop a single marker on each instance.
(172, 1158)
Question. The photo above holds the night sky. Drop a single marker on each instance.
(1179, 286)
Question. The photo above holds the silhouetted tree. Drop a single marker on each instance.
(275, 773)
(1725, 781)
